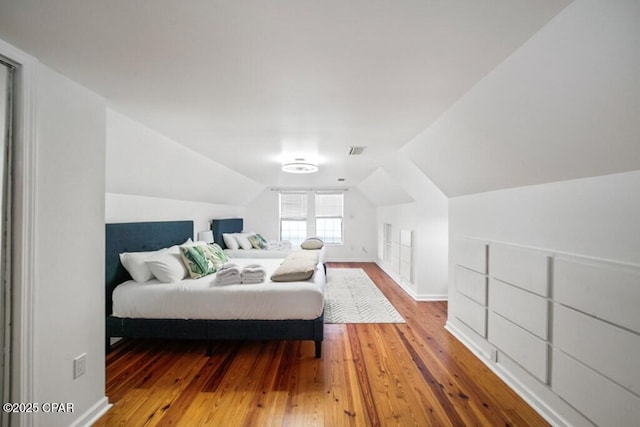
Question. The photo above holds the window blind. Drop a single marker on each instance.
(329, 205)
(293, 205)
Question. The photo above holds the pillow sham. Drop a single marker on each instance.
(264, 241)
(134, 263)
(219, 256)
(167, 266)
(243, 240)
(296, 267)
(257, 241)
(230, 241)
(312, 243)
(198, 260)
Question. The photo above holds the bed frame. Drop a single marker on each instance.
(148, 236)
(227, 225)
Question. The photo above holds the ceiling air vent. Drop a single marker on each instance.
(355, 150)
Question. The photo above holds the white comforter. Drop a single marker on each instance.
(269, 253)
(203, 299)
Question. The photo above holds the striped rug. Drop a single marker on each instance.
(351, 297)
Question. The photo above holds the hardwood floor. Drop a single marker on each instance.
(413, 374)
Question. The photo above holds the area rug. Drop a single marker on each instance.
(351, 297)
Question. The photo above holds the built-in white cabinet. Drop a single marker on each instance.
(397, 255)
(471, 284)
(565, 328)
(406, 256)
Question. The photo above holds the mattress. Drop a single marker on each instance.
(268, 253)
(203, 299)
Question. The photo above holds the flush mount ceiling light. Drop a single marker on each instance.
(299, 166)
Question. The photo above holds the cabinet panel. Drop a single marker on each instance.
(525, 309)
(472, 284)
(524, 268)
(472, 314)
(607, 349)
(471, 254)
(600, 400)
(605, 290)
(526, 349)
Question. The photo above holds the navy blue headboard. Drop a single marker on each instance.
(228, 225)
(138, 237)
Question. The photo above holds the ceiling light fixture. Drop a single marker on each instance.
(299, 166)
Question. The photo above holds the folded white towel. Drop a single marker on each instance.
(224, 281)
(253, 273)
(227, 265)
(228, 276)
(254, 270)
(230, 271)
(251, 266)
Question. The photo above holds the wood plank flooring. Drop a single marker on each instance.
(413, 374)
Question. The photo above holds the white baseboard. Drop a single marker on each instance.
(93, 414)
(411, 292)
(519, 388)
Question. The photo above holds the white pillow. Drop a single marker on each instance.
(188, 243)
(134, 263)
(312, 243)
(243, 240)
(167, 266)
(230, 240)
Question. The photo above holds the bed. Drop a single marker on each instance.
(236, 225)
(259, 323)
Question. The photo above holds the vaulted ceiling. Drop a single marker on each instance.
(252, 83)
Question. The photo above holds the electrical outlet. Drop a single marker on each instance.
(79, 365)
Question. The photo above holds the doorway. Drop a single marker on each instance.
(7, 71)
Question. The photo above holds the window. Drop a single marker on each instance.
(329, 217)
(293, 217)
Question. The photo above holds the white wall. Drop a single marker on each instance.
(69, 253)
(590, 217)
(262, 216)
(131, 208)
(427, 217)
(596, 217)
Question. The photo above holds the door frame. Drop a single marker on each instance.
(24, 224)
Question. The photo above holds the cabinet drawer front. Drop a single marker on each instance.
(472, 314)
(600, 400)
(525, 309)
(472, 284)
(525, 268)
(605, 348)
(605, 290)
(524, 348)
(471, 254)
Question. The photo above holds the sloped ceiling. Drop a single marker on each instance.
(381, 189)
(144, 163)
(251, 83)
(565, 105)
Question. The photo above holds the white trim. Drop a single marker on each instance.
(24, 234)
(521, 390)
(92, 414)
